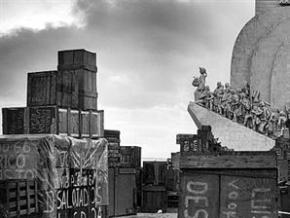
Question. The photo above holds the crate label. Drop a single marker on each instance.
(17, 160)
(247, 197)
(200, 196)
(42, 120)
(221, 196)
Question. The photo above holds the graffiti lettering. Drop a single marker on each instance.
(196, 196)
(231, 211)
(260, 204)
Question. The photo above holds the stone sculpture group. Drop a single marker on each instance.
(243, 106)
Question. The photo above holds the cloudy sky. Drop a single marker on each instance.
(147, 52)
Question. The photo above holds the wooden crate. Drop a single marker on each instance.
(53, 88)
(19, 198)
(154, 198)
(41, 120)
(75, 89)
(43, 177)
(154, 172)
(233, 184)
(122, 192)
(285, 199)
(130, 156)
(15, 120)
(42, 88)
(76, 59)
(53, 120)
(114, 155)
(87, 89)
(82, 64)
(113, 136)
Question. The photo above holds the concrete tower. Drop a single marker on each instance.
(261, 54)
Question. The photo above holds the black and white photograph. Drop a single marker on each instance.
(145, 108)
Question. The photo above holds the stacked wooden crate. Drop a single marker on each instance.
(124, 175)
(62, 102)
(228, 184)
(154, 193)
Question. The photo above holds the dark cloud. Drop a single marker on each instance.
(145, 49)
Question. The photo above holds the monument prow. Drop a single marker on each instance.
(231, 134)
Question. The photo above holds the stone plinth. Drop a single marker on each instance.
(230, 134)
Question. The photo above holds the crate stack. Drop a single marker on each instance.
(124, 176)
(60, 102)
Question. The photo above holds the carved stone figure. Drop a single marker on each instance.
(282, 121)
(199, 83)
(218, 95)
(202, 78)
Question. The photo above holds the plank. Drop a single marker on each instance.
(85, 124)
(96, 124)
(73, 123)
(62, 122)
(229, 160)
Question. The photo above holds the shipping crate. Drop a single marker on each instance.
(52, 120)
(53, 88)
(231, 184)
(154, 172)
(52, 176)
(112, 136)
(76, 59)
(114, 155)
(75, 89)
(282, 149)
(122, 192)
(130, 156)
(285, 200)
(154, 198)
(42, 88)
(82, 64)
(19, 197)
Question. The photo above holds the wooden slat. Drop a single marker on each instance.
(21, 212)
(36, 196)
(20, 203)
(229, 160)
(18, 198)
(21, 194)
(28, 201)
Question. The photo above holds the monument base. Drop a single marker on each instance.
(231, 134)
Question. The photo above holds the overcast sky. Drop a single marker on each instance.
(147, 52)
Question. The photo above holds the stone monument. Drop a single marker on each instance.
(262, 50)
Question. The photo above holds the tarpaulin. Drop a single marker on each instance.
(71, 174)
